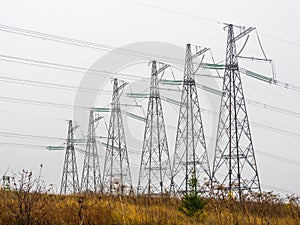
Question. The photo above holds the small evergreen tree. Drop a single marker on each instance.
(192, 204)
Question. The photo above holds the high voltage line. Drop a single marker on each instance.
(279, 189)
(134, 151)
(280, 158)
(135, 77)
(64, 67)
(259, 125)
(81, 69)
(273, 108)
(78, 69)
(84, 108)
(277, 130)
(44, 103)
(176, 12)
(50, 104)
(44, 147)
(51, 85)
(87, 44)
(105, 47)
(59, 86)
(72, 41)
(23, 145)
(29, 136)
(94, 45)
(76, 88)
(205, 19)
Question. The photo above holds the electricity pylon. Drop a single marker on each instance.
(69, 181)
(234, 168)
(190, 157)
(91, 178)
(116, 174)
(155, 168)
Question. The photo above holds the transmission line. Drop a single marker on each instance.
(87, 44)
(29, 136)
(51, 85)
(46, 147)
(43, 103)
(84, 108)
(105, 92)
(64, 67)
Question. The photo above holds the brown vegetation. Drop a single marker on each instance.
(108, 210)
(30, 204)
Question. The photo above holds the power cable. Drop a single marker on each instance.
(88, 44)
(176, 12)
(30, 136)
(65, 67)
(51, 85)
(207, 20)
(67, 106)
(75, 88)
(44, 103)
(133, 151)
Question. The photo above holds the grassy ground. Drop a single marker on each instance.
(33, 208)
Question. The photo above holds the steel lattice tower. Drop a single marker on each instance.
(69, 181)
(155, 168)
(91, 178)
(190, 157)
(116, 175)
(235, 168)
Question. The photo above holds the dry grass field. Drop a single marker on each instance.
(35, 208)
(29, 203)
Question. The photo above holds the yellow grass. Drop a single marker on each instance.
(41, 209)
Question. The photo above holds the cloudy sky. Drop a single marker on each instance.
(118, 23)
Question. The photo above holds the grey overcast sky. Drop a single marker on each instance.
(122, 22)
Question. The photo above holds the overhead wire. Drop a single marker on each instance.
(279, 189)
(61, 105)
(73, 88)
(215, 114)
(22, 145)
(30, 136)
(280, 158)
(133, 151)
(175, 11)
(82, 43)
(273, 108)
(58, 66)
(63, 39)
(114, 74)
(85, 108)
(208, 20)
(51, 85)
(281, 40)
(64, 67)
(102, 72)
(43, 103)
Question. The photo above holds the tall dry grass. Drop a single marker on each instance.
(144, 210)
(30, 204)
